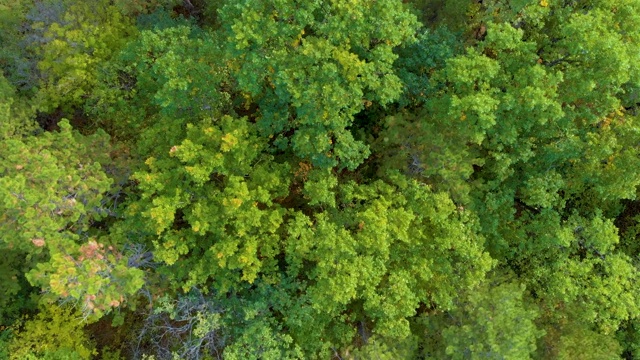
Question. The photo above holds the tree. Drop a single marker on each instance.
(309, 67)
(166, 77)
(16, 117)
(65, 338)
(52, 191)
(14, 57)
(515, 131)
(70, 41)
(494, 323)
(323, 178)
(221, 215)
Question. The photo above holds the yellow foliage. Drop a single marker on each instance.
(228, 142)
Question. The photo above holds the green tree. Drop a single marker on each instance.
(15, 61)
(527, 129)
(494, 323)
(311, 66)
(316, 179)
(217, 212)
(16, 117)
(53, 189)
(70, 46)
(55, 333)
(171, 74)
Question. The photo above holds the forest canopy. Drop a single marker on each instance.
(319, 179)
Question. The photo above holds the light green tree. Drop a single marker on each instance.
(70, 47)
(63, 330)
(53, 190)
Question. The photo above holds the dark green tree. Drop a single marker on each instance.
(310, 66)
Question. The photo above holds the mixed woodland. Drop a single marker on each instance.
(319, 179)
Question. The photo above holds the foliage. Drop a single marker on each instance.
(167, 76)
(53, 189)
(72, 46)
(419, 60)
(514, 130)
(494, 323)
(418, 233)
(629, 338)
(62, 329)
(311, 66)
(138, 7)
(16, 117)
(319, 179)
(14, 59)
(570, 337)
(16, 294)
(261, 342)
(188, 328)
(384, 349)
(44, 209)
(5, 337)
